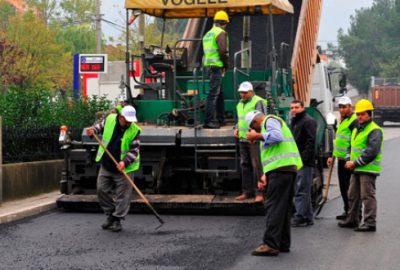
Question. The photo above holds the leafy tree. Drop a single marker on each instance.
(46, 9)
(44, 62)
(78, 11)
(6, 11)
(370, 47)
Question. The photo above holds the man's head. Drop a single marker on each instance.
(364, 110)
(345, 106)
(127, 116)
(296, 107)
(246, 91)
(221, 19)
(254, 119)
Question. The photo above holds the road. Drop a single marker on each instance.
(59, 240)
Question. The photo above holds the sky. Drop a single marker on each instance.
(335, 15)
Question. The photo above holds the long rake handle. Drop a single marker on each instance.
(328, 183)
(129, 179)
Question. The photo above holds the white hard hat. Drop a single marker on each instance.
(245, 87)
(129, 113)
(344, 101)
(250, 116)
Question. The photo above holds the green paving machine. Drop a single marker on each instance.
(272, 44)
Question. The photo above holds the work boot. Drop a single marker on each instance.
(365, 228)
(107, 224)
(116, 225)
(211, 125)
(259, 198)
(348, 224)
(265, 250)
(342, 216)
(301, 222)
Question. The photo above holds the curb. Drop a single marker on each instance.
(27, 212)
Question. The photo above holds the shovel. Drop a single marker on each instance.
(328, 184)
(129, 179)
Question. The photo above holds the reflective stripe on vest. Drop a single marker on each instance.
(359, 142)
(210, 47)
(127, 138)
(242, 109)
(341, 145)
(281, 154)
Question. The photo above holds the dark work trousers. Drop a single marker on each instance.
(302, 197)
(362, 189)
(114, 193)
(251, 167)
(215, 99)
(344, 182)
(278, 208)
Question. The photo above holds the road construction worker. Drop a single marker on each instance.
(365, 161)
(341, 150)
(120, 135)
(216, 60)
(249, 153)
(304, 129)
(280, 159)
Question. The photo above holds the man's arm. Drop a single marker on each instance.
(260, 106)
(273, 132)
(373, 148)
(133, 152)
(223, 48)
(310, 128)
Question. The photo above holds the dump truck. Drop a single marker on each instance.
(273, 44)
(385, 95)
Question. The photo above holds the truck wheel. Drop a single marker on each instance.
(317, 186)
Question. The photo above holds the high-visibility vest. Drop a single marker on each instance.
(359, 142)
(282, 154)
(341, 145)
(242, 109)
(129, 134)
(210, 47)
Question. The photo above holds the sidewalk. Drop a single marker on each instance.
(15, 210)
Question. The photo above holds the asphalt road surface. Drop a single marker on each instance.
(59, 240)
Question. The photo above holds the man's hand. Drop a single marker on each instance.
(89, 131)
(252, 136)
(350, 165)
(121, 166)
(262, 183)
(329, 162)
(236, 133)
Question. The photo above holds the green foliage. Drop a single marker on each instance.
(371, 46)
(77, 39)
(37, 107)
(44, 62)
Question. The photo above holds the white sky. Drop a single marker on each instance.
(336, 14)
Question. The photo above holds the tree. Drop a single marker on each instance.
(78, 11)
(44, 62)
(370, 47)
(46, 9)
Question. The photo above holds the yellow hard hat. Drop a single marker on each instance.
(221, 16)
(364, 105)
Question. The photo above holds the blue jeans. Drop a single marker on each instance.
(215, 99)
(302, 194)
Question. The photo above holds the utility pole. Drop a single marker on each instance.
(98, 27)
(141, 37)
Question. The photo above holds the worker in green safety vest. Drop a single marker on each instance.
(281, 160)
(216, 61)
(365, 161)
(341, 150)
(249, 153)
(120, 135)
